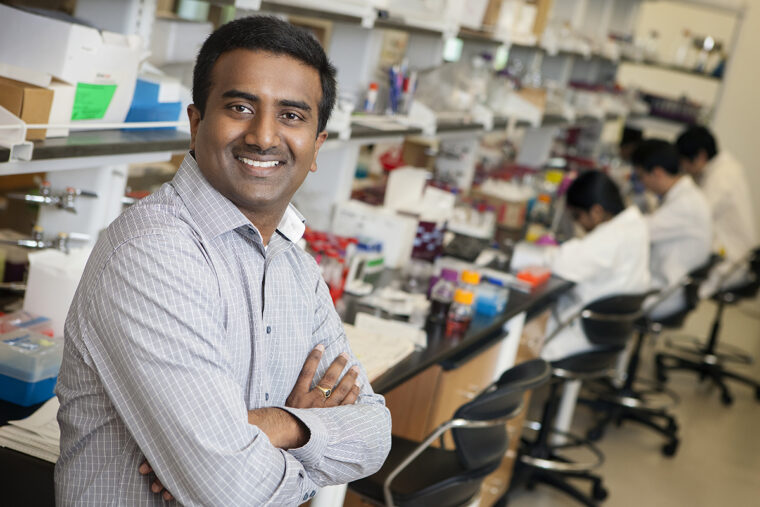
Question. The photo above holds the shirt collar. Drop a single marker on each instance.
(679, 186)
(214, 213)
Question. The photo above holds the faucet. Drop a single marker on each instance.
(65, 200)
(37, 240)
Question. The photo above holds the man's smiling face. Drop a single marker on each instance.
(257, 138)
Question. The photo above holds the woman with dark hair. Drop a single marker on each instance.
(612, 257)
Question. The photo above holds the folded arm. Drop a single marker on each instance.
(350, 441)
(157, 341)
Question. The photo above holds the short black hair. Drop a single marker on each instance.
(694, 139)
(265, 33)
(595, 187)
(653, 153)
(631, 135)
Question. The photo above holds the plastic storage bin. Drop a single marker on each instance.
(29, 364)
(25, 320)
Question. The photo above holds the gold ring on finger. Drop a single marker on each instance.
(326, 391)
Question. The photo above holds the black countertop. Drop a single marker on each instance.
(482, 332)
(107, 142)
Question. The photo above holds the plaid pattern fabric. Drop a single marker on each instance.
(182, 322)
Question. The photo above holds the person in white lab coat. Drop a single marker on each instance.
(727, 190)
(612, 258)
(680, 229)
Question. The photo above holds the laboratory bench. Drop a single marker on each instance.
(32, 478)
(482, 333)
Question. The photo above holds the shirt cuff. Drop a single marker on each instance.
(310, 455)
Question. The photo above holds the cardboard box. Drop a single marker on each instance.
(101, 65)
(30, 103)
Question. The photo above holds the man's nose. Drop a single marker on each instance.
(263, 132)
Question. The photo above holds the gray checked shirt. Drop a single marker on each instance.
(183, 322)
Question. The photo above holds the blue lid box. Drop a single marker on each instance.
(29, 364)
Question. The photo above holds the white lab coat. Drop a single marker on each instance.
(727, 190)
(611, 259)
(681, 234)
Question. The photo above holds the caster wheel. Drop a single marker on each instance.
(530, 485)
(757, 393)
(726, 399)
(672, 427)
(661, 377)
(599, 492)
(595, 434)
(670, 448)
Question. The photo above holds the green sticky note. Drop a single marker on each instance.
(91, 101)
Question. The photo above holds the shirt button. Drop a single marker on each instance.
(305, 497)
(266, 396)
(311, 495)
(269, 329)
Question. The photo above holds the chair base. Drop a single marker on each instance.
(544, 463)
(709, 367)
(693, 345)
(658, 420)
(529, 476)
(617, 405)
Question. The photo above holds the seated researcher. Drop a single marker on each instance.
(724, 183)
(199, 327)
(611, 258)
(680, 229)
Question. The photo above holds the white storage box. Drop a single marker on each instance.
(101, 65)
(177, 40)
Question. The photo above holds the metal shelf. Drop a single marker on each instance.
(671, 68)
(106, 143)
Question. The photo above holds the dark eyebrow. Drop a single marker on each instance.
(296, 104)
(237, 94)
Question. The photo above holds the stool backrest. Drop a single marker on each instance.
(481, 447)
(609, 321)
(754, 263)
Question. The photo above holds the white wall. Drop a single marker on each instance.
(737, 117)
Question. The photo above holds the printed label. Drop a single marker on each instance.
(91, 101)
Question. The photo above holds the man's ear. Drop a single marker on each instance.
(194, 116)
(317, 145)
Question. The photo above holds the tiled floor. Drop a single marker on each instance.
(718, 462)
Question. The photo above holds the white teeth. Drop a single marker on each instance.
(258, 163)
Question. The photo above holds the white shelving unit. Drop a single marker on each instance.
(355, 50)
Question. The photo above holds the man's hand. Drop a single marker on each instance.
(344, 393)
(155, 486)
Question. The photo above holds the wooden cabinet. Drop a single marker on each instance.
(419, 405)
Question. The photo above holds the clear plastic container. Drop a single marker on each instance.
(460, 314)
(25, 320)
(29, 364)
